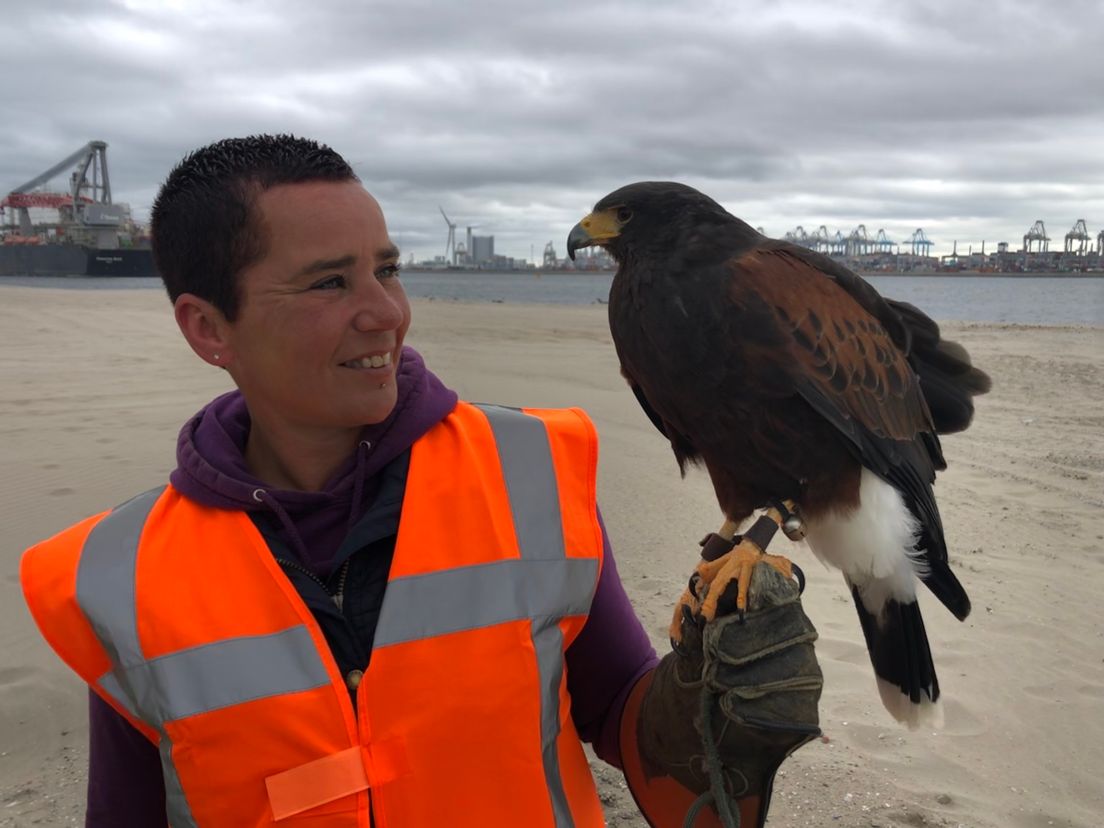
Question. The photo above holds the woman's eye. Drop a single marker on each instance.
(389, 271)
(329, 283)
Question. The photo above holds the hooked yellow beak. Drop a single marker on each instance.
(594, 229)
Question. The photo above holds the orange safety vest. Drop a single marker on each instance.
(178, 615)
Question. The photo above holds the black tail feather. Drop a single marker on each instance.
(948, 589)
(899, 650)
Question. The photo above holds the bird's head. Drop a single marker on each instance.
(648, 213)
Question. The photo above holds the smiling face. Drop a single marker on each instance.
(316, 344)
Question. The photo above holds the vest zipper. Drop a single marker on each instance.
(338, 596)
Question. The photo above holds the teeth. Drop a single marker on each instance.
(374, 361)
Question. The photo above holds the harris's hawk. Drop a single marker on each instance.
(791, 379)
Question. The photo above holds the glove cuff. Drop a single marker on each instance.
(662, 800)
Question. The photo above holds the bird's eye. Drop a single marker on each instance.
(623, 214)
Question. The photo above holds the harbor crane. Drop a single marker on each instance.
(919, 243)
(819, 239)
(87, 200)
(797, 236)
(882, 243)
(550, 261)
(858, 243)
(85, 211)
(1037, 234)
(1080, 234)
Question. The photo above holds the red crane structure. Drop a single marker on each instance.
(73, 231)
(85, 209)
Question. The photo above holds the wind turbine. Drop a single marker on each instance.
(450, 245)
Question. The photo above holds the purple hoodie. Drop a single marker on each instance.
(611, 653)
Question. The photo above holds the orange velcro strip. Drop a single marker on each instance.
(316, 783)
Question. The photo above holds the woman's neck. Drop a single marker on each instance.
(298, 461)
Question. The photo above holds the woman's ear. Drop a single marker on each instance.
(205, 328)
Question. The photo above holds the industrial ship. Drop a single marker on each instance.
(75, 232)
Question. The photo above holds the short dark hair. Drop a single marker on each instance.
(204, 228)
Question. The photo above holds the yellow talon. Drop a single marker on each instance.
(736, 565)
(687, 599)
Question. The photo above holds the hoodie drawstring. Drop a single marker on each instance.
(261, 496)
(338, 597)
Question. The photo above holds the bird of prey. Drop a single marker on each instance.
(792, 380)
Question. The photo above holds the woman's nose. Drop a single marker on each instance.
(377, 310)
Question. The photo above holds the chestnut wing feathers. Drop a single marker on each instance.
(846, 365)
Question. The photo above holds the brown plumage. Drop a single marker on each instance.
(787, 375)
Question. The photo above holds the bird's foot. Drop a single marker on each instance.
(717, 576)
(728, 557)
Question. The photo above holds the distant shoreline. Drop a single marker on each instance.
(22, 278)
(1033, 274)
(1041, 274)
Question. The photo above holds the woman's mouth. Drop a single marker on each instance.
(381, 360)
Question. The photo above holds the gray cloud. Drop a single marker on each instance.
(971, 120)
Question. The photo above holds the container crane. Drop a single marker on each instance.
(1079, 233)
(919, 242)
(1037, 234)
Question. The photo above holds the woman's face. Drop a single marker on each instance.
(323, 315)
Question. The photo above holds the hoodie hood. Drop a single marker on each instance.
(211, 466)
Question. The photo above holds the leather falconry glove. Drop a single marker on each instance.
(737, 696)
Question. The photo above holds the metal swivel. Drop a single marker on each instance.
(794, 527)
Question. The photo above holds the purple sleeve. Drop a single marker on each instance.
(609, 656)
(125, 786)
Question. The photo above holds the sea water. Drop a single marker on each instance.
(1024, 300)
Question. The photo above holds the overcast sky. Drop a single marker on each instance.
(971, 120)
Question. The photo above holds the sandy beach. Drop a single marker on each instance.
(96, 384)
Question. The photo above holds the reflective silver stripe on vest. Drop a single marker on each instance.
(526, 457)
(173, 686)
(106, 595)
(470, 597)
(178, 685)
(106, 580)
(160, 690)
